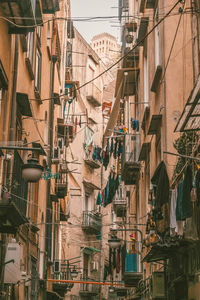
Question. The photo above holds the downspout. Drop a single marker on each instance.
(164, 94)
(49, 156)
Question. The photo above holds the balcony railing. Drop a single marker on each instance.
(92, 158)
(130, 166)
(63, 274)
(91, 222)
(120, 202)
(94, 95)
(88, 289)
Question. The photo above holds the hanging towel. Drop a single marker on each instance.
(173, 224)
(80, 122)
(99, 199)
(111, 146)
(115, 149)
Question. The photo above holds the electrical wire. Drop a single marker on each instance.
(172, 46)
(125, 55)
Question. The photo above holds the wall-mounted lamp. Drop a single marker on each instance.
(114, 242)
(74, 273)
(32, 170)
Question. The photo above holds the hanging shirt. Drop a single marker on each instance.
(173, 224)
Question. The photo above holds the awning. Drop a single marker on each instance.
(24, 105)
(90, 250)
(90, 185)
(190, 118)
(155, 124)
(145, 117)
(158, 253)
(128, 78)
(38, 145)
(144, 151)
(144, 22)
(115, 111)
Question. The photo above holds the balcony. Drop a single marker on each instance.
(151, 3)
(92, 159)
(129, 78)
(142, 31)
(94, 95)
(88, 290)
(50, 6)
(63, 274)
(119, 202)
(130, 167)
(133, 269)
(24, 13)
(91, 222)
(131, 26)
(132, 60)
(11, 217)
(65, 130)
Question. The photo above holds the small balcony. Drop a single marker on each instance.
(132, 59)
(62, 287)
(151, 4)
(65, 130)
(94, 95)
(133, 269)
(88, 290)
(11, 217)
(24, 13)
(50, 6)
(130, 167)
(119, 202)
(91, 222)
(92, 158)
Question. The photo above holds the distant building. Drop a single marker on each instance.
(106, 46)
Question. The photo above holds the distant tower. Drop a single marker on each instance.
(106, 46)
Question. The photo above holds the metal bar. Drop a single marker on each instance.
(20, 148)
(86, 282)
(181, 155)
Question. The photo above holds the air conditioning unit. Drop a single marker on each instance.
(158, 285)
(94, 266)
(56, 155)
(56, 266)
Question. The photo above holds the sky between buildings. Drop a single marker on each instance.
(95, 8)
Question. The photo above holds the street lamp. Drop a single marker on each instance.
(32, 170)
(114, 242)
(111, 289)
(74, 273)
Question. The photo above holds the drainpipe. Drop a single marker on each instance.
(50, 145)
(164, 95)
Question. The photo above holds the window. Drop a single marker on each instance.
(45, 129)
(146, 76)
(157, 41)
(30, 44)
(39, 32)
(38, 64)
(49, 40)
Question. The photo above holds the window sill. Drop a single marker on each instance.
(156, 80)
(29, 67)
